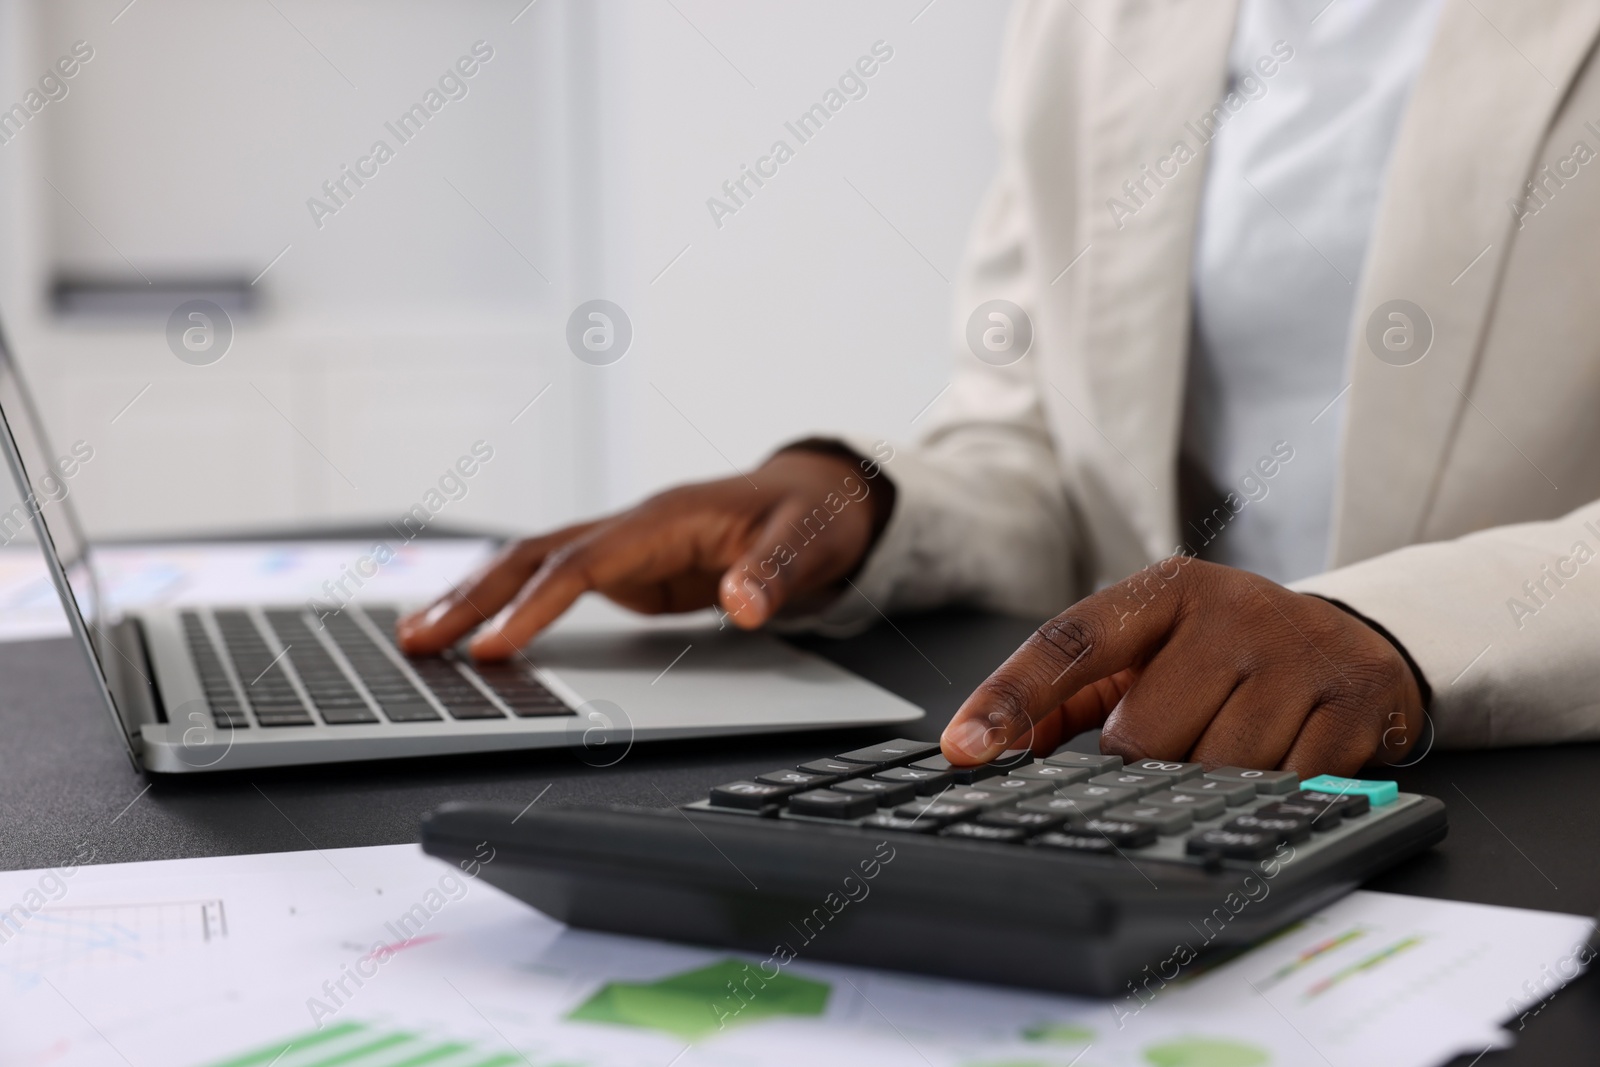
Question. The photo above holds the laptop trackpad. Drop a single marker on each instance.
(696, 669)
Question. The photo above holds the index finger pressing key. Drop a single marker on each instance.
(1092, 640)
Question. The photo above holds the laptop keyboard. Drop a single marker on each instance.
(279, 668)
(1072, 801)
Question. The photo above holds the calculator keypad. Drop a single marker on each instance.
(1068, 801)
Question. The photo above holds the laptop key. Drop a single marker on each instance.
(828, 804)
(888, 794)
(890, 753)
(409, 712)
(476, 710)
(751, 796)
(346, 715)
(535, 711)
(302, 719)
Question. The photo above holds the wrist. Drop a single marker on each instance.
(1424, 690)
(880, 493)
(1396, 748)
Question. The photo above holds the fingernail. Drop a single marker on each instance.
(969, 737)
(434, 614)
(746, 607)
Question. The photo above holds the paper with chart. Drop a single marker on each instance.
(234, 573)
(382, 957)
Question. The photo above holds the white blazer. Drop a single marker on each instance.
(1466, 515)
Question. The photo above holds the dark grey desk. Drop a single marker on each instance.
(1525, 829)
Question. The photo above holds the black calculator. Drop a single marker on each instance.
(1072, 872)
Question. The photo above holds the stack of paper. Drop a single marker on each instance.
(381, 957)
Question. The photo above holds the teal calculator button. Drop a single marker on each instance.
(1377, 793)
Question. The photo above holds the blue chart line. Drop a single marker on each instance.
(52, 940)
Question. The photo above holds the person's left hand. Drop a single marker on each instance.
(1188, 660)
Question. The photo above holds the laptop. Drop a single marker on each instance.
(217, 688)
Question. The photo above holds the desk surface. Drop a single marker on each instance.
(1524, 831)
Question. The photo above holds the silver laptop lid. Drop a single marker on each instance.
(45, 510)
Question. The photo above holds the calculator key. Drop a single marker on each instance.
(888, 794)
(1120, 832)
(1030, 821)
(1012, 758)
(890, 753)
(1377, 793)
(1139, 783)
(976, 832)
(1321, 816)
(1233, 844)
(1202, 805)
(1165, 820)
(936, 812)
(1069, 808)
(833, 767)
(883, 820)
(1232, 793)
(1016, 788)
(752, 796)
(975, 795)
(1091, 761)
(1045, 772)
(1350, 804)
(828, 804)
(1290, 829)
(1105, 794)
(1166, 768)
(798, 779)
(1074, 843)
(926, 781)
(964, 775)
(1267, 783)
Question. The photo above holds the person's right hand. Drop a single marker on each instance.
(739, 542)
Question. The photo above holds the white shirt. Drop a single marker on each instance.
(1294, 180)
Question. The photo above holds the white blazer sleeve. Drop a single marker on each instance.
(1504, 623)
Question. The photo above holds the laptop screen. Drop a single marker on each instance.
(41, 512)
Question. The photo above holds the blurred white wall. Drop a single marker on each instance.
(432, 307)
